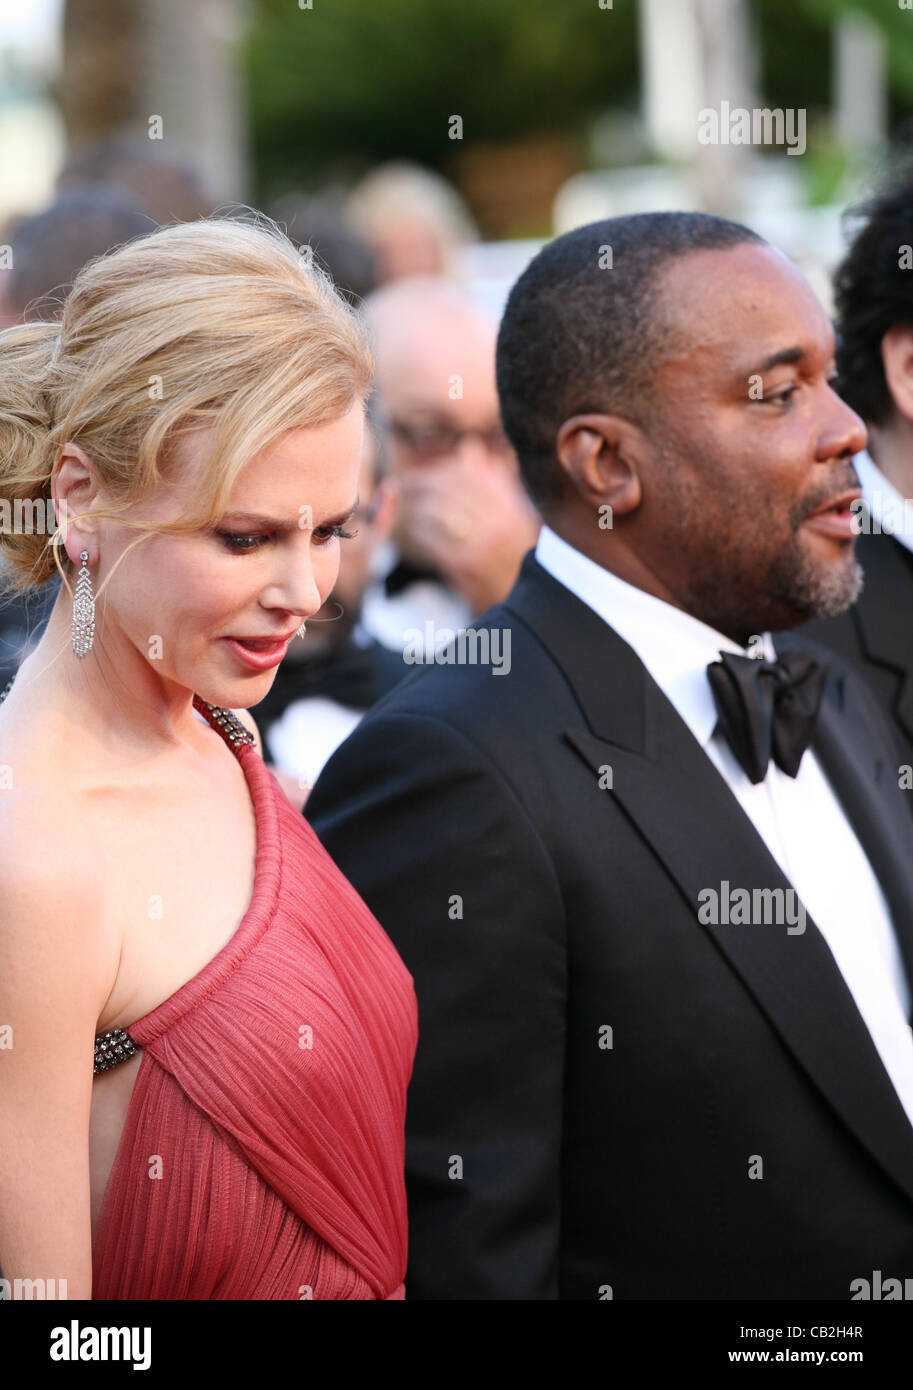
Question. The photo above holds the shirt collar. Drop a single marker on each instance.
(889, 510)
(675, 647)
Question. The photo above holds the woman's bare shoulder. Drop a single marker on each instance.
(52, 913)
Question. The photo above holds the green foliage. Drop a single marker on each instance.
(896, 25)
(335, 89)
(350, 82)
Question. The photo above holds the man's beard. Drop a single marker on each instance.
(794, 587)
(814, 591)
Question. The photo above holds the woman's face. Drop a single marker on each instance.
(181, 602)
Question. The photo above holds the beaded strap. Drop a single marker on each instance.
(227, 723)
(117, 1045)
(111, 1048)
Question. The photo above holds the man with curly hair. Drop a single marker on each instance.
(874, 303)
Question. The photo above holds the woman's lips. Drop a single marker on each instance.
(259, 657)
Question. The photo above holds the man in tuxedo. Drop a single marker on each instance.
(650, 874)
(874, 301)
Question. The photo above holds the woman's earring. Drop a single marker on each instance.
(302, 630)
(83, 627)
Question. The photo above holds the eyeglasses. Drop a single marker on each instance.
(434, 441)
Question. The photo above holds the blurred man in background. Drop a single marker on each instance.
(874, 303)
(49, 248)
(319, 220)
(464, 520)
(412, 219)
(167, 188)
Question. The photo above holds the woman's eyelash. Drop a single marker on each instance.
(229, 537)
(234, 540)
(343, 534)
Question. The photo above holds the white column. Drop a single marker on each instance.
(694, 55)
(192, 78)
(859, 89)
(672, 80)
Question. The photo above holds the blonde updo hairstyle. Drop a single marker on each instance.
(219, 322)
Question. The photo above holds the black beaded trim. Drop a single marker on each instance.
(111, 1048)
(229, 723)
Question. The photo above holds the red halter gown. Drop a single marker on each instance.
(262, 1154)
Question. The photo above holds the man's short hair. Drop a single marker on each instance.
(584, 326)
(873, 292)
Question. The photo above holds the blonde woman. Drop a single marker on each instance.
(196, 419)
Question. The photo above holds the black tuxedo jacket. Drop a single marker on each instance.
(876, 633)
(735, 1135)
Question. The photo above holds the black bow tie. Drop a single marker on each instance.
(767, 708)
(405, 573)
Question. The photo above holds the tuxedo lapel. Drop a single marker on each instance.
(674, 795)
(884, 626)
(862, 780)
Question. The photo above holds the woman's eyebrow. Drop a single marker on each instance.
(271, 523)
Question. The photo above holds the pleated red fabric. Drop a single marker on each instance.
(262, 1154)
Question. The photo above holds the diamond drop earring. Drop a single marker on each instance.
(302, 630)
(83, 627)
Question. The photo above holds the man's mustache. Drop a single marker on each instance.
(843, 482)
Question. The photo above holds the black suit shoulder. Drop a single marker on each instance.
(419, 809)
(875, 635)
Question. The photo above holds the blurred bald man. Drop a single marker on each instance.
(464, 520)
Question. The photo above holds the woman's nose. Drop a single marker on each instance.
(294, 587)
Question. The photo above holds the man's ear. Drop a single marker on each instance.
(897, 360)
(601, 456)
(74, 488)
(382, 510)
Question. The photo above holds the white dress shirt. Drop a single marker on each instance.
(892, 512)
(800, 819)
(400, 619)
(306, 735)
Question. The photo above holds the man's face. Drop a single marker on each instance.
(749, 439)
(437, 385)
